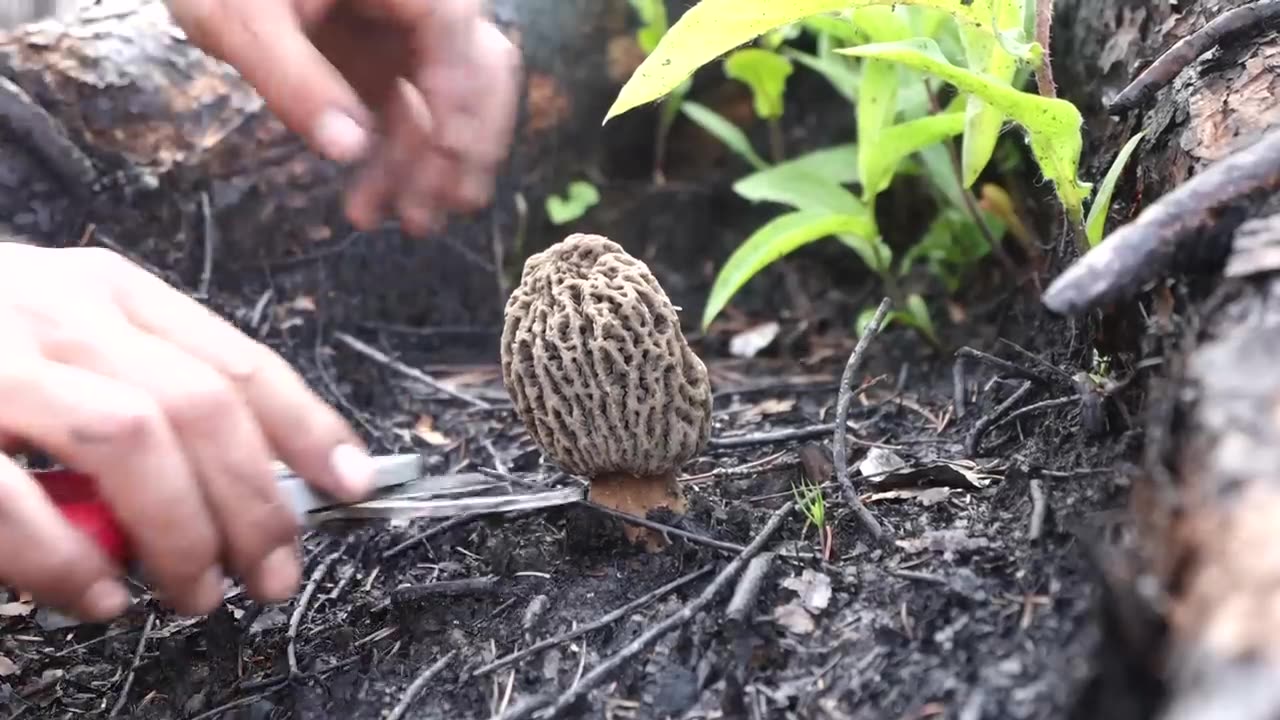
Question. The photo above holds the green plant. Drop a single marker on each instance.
(813, 503)
(578, 198)
(1102, 203)
(881, 56)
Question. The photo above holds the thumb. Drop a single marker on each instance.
(266, 44)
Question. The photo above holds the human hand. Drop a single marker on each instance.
(422, 91)
(177, 414)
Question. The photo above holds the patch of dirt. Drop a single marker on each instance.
(963, 615)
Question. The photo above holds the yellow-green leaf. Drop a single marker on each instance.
(774, 240)
(1101, 204)
(766, 73)
(880, 158)
(712, 28)
(1053, 125)
(985, 55)
(724, 131)
(812, 181)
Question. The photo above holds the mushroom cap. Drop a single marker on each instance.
(597, 366)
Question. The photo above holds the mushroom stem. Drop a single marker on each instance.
(637, 495)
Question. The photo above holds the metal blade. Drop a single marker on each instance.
(398, 508)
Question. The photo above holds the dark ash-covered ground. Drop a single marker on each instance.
(965, 615)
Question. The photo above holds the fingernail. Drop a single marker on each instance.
(106, 599)
(354, 468)
(340, 137)
(279, 574)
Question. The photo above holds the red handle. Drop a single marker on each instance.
(76, 497)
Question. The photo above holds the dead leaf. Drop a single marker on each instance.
(303, 303)
(53, 620)
(927, 496)
(7, 667)
(425, 429)
(814, 589)
(945, 541)
(749, 342)
(879, 463)
(16, 609)
(794, 618)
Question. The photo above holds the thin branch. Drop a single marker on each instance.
(646, 639)
(411, 372)
(133, 667)
(416, 687)
(303, 601)
(840, 441)
(595, 625)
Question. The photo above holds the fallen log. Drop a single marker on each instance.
(1192, 611)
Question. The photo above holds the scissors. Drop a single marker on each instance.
(402, 489)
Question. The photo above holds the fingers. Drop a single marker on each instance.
(443, 157)
(304, 432)
(120, 435)
(57, 565)
(221, 439)
(266, 43)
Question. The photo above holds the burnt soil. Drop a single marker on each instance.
(963, 615)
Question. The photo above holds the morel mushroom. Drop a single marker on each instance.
(600, 373)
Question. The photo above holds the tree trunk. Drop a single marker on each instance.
(1194, 610)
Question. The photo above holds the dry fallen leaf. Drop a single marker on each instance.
(794, 618)
(7, 667)
(749, 342)
(16, 609)
(425, 429)
(814, 589)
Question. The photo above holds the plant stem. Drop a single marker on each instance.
(776, 148)
(1044, 28)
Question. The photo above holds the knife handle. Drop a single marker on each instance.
(75, 495)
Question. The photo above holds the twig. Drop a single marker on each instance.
(381, 357)
(133, 667)
(210, 241)
(419, 683)
(958, 386)
(1035, 528)
(1186, 226)
(1050, 370)
(595, 625)
(1255, 17)
(650, 636)
(47, 137)
(1036, 407)
(465, 586)
(748, 589)
(776, 437)
(668, 529)
(1009, 368)
(303, 601)
(431, 532)
(267, 686)
(981, 427)
(839, 442)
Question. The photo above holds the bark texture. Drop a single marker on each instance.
(1200, 616)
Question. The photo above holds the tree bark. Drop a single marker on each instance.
(1195, 610)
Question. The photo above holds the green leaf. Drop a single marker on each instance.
(952, 246)
(1053, 125)
(812, 181)
(1102, 201)
(579, 197)
(837, 70)
(774, 240)
(983, 122)
(724, 131)
(766, 73)
(653, 23)
(916, 314)
(881, 159)
(712, 28)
